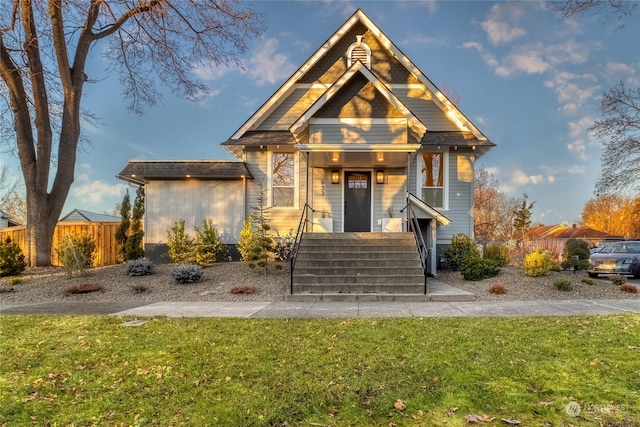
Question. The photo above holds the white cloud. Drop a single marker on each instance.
(519, 178)
(573, 90)
(579, 148)
(267, 66)
(501, 32)
(94, 193)
(577, 170)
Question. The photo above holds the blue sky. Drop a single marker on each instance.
(530, 81)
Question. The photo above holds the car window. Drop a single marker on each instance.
(633, 249)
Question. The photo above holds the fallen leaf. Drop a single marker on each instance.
(511, 420)
(452, 411)
(399, 405)
(475, 418)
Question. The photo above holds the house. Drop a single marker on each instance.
(356, 135)
(563, 233)
(78, 215)
(6, 221)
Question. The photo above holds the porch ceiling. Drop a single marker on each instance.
(351, 155)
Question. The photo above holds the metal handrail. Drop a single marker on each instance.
(424, 252)
(296, 243)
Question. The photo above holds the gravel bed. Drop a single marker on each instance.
(45, 284)
(50, 283)
(520, 287)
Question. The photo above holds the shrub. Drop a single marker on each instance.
(478, 269)
(498, 289)
(243, 290)
(499, 254)
(11, 259)
(181, 245)
(248, 239)
(187, 273)
(588, 281)
(283, 246)
(618, 279)
(563, 285)
(209, 249)
(574, 255)
(139, 267)
(628, 287)
(538, 263)
(460, 249)
(76, 252)
(82, 289)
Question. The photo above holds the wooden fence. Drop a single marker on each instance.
(102, 233)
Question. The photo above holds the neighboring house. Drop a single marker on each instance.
(562, 232)
(78, 215)
(357, 133)
(6, 221)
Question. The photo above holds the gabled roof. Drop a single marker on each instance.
(91, 216)
(453, 113)
(10, 222)
(139, 171)
(259, 139)
(413, 122)
(424, 207)
(561, 231)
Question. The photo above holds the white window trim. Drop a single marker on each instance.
(296, 179)
(445, 175)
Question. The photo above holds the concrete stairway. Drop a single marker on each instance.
(358, 266)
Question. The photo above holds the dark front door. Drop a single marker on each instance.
(357, 201)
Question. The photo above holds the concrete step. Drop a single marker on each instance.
(349, 254)
(361, 278)
(358, 236)
(388, 270)
(357, 262)
(351, 297)
(372, 288)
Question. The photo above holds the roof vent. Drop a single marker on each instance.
(359, 51)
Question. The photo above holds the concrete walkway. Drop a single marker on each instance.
(323, 309)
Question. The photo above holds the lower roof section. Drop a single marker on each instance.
(140, 171)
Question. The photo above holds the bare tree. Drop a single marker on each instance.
(494, 211)
(618, 8)
(12, 201)
(621, 125)
(44, 49)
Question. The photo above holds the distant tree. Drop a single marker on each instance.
(451, 94)
(522, 218)
(12, 200)
(493, 210)
(122, 232)
(133, 245)
(621, 125)
(613, 214)
(44, 49)
(619, 8)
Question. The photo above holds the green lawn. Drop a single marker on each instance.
(242, 372)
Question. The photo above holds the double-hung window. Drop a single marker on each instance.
(283, 180)
(432, 179)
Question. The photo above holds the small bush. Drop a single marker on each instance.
(499, 254)
(538, 263)
(82, 289)
(574, 255)
(187, 273)
(460, 249)
(76, 252)
(243, 290)
(209, 249)
(12, 260)
(181, 245)
(588, 281)
(628, 287)
(283, 246)
(498, 289)
(139, 267)
(477, 269)
(563, 285)
(618, 279)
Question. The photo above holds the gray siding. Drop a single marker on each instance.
(420, 103)
(326, 198)
(285, 114)
(395, 133)
(391, 194)
(193, 200)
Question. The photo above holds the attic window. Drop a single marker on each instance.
(359, 51)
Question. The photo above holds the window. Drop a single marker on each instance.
(283, 180)
(432, 177)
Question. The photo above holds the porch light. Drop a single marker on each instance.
(335, 157)
(335, 177)
(380, 157)
(380, 177)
